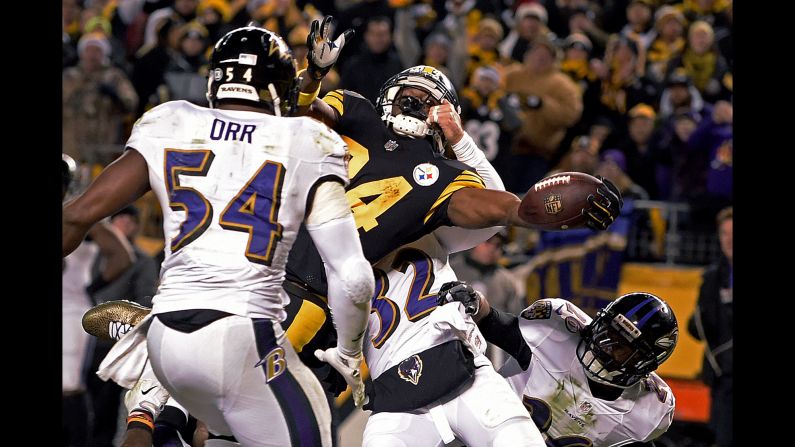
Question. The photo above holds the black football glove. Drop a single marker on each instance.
(323, 52)
(605, 206)
(461, 292)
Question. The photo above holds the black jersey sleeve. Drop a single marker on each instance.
(502, 330)
(349, 105)
(466, 178)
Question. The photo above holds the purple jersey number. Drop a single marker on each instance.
(541, 414)
(385, 309)
(419, 303)
(253, 210)
(199, 212)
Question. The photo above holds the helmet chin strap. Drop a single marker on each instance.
(409, 126)
(276, 100)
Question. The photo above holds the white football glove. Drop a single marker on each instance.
(147, 394)
(349, 367)
(323, 52)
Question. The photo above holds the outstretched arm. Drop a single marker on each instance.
(350, 280)
(498, 328)
(123, 181)
(480, 208)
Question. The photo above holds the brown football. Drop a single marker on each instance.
(556, 202)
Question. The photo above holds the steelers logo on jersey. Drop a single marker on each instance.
(426, 174)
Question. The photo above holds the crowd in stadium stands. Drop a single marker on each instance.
(639, 90)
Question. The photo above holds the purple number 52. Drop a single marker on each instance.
(254, 209)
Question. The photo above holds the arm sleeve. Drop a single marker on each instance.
(502, 330)
(350, 277)
(456, 239)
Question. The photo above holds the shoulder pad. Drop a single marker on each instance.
(329, 141)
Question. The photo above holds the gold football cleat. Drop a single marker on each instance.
(113, 319)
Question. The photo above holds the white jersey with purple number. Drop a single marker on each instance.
(555, 390)
(405, 319)
(233, 186)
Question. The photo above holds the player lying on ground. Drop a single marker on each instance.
(585, 382)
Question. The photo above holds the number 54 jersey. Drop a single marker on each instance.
(233, 186)
(555, 390)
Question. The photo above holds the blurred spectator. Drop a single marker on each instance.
(376, 62)
(559, 12)
(96, 99)
(357, 14)
(550, 103)
(577, 65)
(182, 12)
(439, 50)
(614, 167)
(677, 166)
(481, 269)
(723, 37)
(214, 14)
(640, 159)
(279, 16)
(491, 118)
(99, 24)
(137, 283)
(713, 323)
(703, 63)
(583, 156)
(463, 17)
(623, 85)
(713, 139)
(576, 60)
(583, 21)
(530, 23)
(150, 66)
(680, 96)
(639, 22)
(670, 24)
(714, 12)
(601, 129)
(483, 50)
(297, 42)
(436, 49)
(70, 12)
(186, 74)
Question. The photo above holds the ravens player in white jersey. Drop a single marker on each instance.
(585, 382)
(235, 182)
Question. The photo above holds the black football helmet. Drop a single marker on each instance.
(628, 339)
(411, 120)
(253, 64)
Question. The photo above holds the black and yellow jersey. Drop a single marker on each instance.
(399, 188)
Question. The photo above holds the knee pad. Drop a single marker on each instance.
(357, 280)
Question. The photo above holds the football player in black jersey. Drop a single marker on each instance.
(404, 183)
